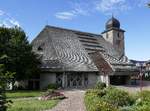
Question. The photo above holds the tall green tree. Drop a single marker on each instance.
(21, 59)
(3, 73)
(15, 56)
(5, 76)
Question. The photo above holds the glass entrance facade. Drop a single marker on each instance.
(72, 80)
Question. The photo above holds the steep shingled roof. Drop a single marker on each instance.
(63, 48)
(68, 50)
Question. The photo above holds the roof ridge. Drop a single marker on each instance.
(73, 30)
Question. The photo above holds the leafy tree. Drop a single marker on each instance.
(21, 59)
(15, 56)
(4, 77)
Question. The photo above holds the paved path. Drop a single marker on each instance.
(73, 102)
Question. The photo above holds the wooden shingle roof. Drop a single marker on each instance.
(68, 50)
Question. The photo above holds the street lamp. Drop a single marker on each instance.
(141, 66)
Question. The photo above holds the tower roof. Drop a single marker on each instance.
(112, 23)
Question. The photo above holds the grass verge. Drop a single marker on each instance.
(23, 94)
(31, 105)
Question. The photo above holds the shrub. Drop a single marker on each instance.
(100, 85)
(127, 108)
(96, 92)
(143, 108)
(49, 91)
(4, 103)
(110, 88)
(53, 86)
(144, 96)
(113, 99)
(94, 103)
(143, 101)
(117, 97)
(2, 100)
(90, 101)
(104, 106)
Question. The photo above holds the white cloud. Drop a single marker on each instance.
(77, 10)
(118, 6)
(7, 20)
(87, 7)
(69, 15)
(1, 12)
(81, 8)
(112, 6)
(14, 22)
(65, 15)
(141, 3)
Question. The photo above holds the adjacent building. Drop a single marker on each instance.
(148, 67)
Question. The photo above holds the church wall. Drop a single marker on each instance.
(108, 36)
(105, 79)
(46, 79)
(119, 41)
(92, 79)
(116, 38)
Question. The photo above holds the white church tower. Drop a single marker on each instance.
(115, 35)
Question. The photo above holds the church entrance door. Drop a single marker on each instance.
(76, 80)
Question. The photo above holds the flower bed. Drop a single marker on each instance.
(51, 94)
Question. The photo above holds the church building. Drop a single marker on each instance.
(75, 59)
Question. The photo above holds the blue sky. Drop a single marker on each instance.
(84, 15)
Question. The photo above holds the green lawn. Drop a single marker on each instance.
(22, 102)
(31, 105)
(23, 94)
